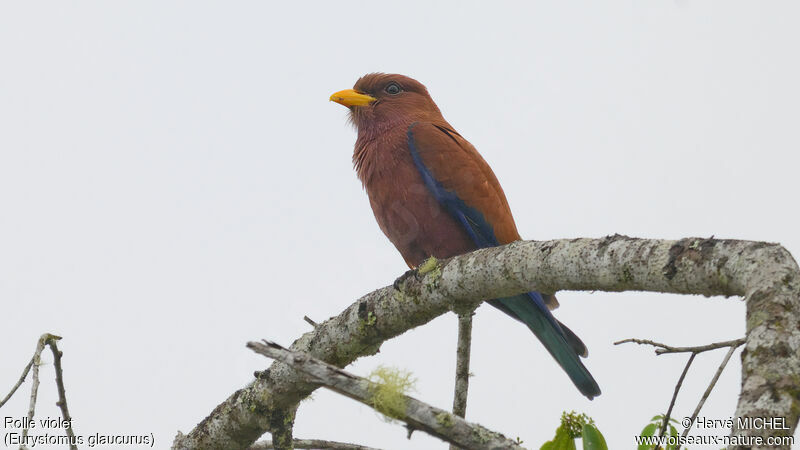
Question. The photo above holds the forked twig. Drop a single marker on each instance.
(663, 348)
(50, 340)
(709, 388)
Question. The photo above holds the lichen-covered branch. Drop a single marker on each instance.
(282, 426)
(765, 274)
(418, 415)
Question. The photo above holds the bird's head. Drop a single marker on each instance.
(380, 100)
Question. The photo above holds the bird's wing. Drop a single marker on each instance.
(456, 174)
(459, 178)
(458, 168)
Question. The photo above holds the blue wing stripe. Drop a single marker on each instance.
(472, 220)
(529, 307)
(474, 223)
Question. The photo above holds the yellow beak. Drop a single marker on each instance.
(349, 97)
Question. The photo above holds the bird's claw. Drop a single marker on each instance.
(402, 278)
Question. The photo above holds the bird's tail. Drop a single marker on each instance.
(559, 340)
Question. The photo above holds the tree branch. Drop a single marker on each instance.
(709, 389)
(50, 340)
(36, 362)
(310, 322)
(665, 422)
(765, 274)
(282, 427)
(62, 393)
(462, 363)
(463, 348)
(21, 380)
(420, 416)
(663, 348)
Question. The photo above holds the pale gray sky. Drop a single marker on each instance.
(174, 183)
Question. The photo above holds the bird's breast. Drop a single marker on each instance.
(406, 211)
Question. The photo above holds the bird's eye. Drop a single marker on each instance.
(393, 89)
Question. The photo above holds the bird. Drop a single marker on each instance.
(433, 195)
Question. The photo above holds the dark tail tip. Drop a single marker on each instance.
(589, 388)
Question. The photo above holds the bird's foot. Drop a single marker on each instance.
(402, 278)
(429, 265)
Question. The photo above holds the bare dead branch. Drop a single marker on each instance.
(50, 340)
(21, 380)
(462, 365)
(765, 274)
(663, 348)
(310, 322)
(37, 361)
(419, 415)
(62, 394)
(678, 386)
(709, 389)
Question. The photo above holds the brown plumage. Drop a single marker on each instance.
(434, 195)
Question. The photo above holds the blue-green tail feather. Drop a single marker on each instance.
(564, 346)
(528, 308)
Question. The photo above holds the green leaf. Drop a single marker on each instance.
(649, 430)
(562, 441)
(593, 439)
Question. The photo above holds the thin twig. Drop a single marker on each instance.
(675, 395)
(62, 394)
(663, 348)
(419, 415)
(37, 361)
(310, 322)
(50, 340)
(19, 382)
(709, 388)
(462, 365)
(313, 444)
